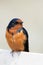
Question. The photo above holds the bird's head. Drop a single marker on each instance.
(14, 25)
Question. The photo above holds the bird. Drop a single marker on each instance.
(17, 36)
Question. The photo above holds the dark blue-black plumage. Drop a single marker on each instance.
(13, 22)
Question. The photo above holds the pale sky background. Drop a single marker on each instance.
(31, 12)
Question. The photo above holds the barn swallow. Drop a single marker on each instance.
(17, 36)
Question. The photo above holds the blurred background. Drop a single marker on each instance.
(31, 13)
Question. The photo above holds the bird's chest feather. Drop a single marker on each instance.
(16, 42)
